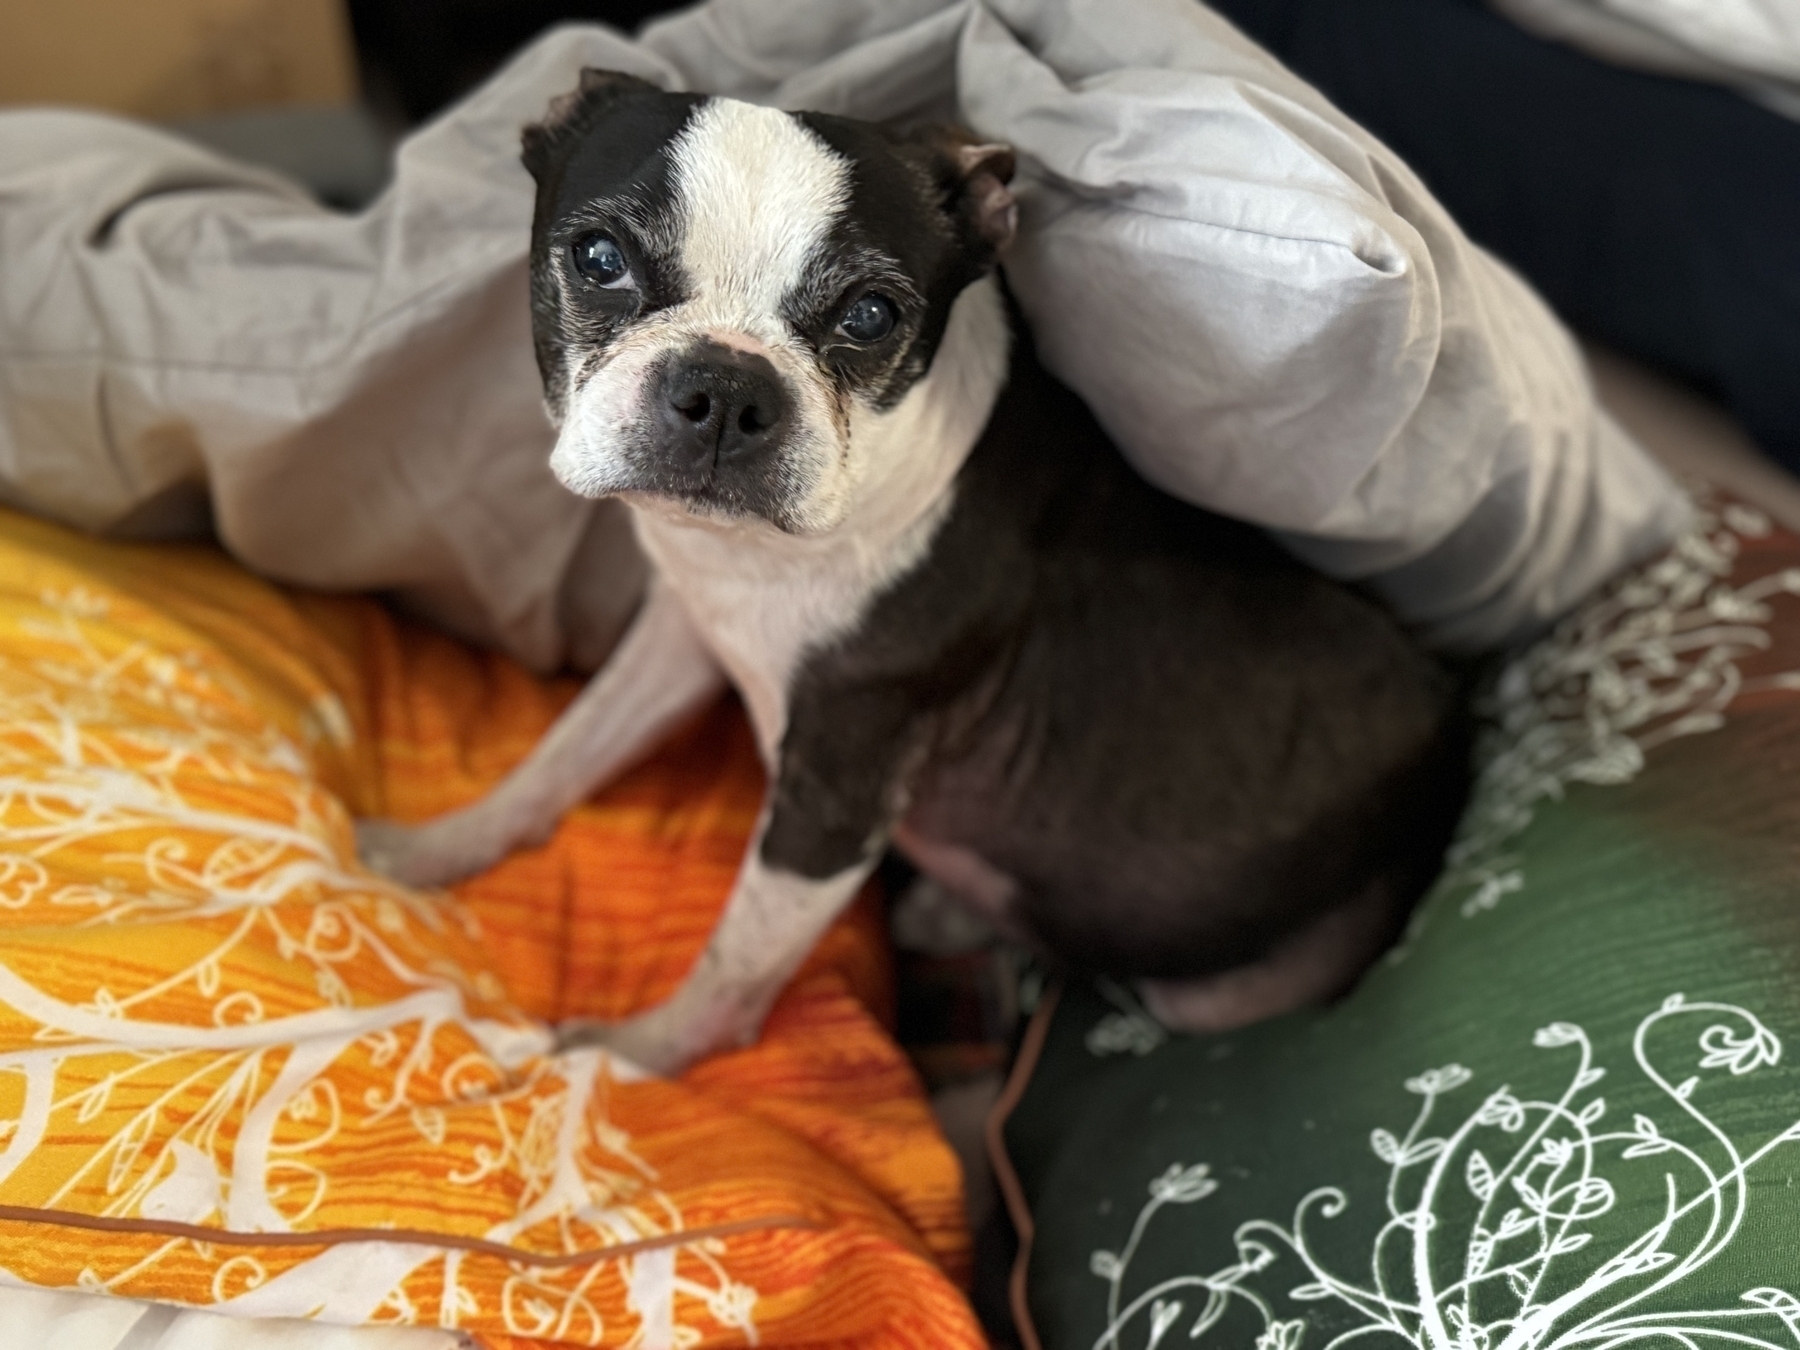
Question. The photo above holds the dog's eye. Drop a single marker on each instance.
(869, 319)
(601, 260)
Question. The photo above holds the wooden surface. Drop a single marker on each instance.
(168, 59)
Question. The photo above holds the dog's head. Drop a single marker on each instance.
(728, 300)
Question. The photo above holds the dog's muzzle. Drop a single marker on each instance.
(718, 411)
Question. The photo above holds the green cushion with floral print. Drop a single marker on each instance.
(1565, 1113)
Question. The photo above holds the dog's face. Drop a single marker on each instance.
(729, 301)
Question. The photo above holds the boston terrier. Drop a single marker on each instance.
(1135, 735)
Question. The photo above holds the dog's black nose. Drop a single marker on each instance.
(720, 404)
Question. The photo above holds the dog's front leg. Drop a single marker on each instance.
(821, 833)
(772, 920)
(660, 671)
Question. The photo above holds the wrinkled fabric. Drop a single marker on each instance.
(59, 1319)
(1753, 45)
(1657, 215)
(1264, 307)
(1756, 36)
(211, 1015)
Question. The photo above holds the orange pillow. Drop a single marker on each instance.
(237, 1071)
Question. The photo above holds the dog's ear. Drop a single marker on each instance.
(973, 175)
(570, 113)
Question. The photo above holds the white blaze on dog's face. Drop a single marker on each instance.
(730, 302)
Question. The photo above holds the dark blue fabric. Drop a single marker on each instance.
(1658, 215)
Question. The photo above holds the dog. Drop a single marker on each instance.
(1136, 735)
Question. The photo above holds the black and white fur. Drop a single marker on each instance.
(1135, 734)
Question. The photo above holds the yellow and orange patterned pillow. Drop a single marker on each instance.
(238, 1071)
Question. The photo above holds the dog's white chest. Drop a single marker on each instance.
(762, 604)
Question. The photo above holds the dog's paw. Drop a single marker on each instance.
(419, 855)
(663, 1040)
(650, 1047)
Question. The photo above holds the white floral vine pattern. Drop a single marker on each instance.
(1504, 1231)
(1652, 659)
(114, 747)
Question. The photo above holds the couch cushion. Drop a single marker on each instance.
(1563, 1112)
(238, 1071)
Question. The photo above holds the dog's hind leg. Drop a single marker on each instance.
(660, 672)
(1312, 965)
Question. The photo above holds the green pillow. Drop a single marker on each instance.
(1563, 1113)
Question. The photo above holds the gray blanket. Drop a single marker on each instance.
(1264, 307)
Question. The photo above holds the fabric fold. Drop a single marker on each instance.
(1265, 308)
